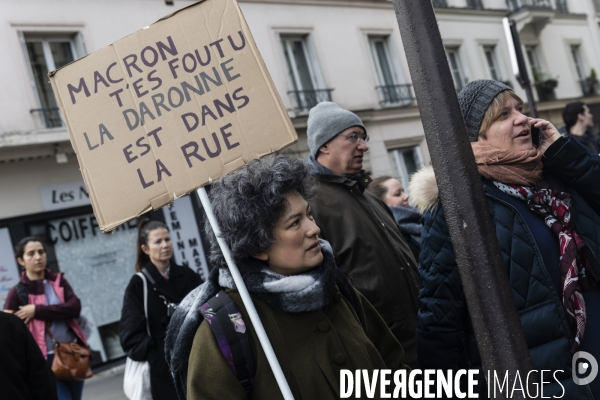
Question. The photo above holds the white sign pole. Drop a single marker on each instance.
(241, 287)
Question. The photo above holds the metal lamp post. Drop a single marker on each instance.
(487, 291)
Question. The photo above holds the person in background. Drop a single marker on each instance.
(544, 202)
(316, 321)
(361, 229)
(408, 218)
(43, 299)
(24, 372)
(168, 284)
(578, 123)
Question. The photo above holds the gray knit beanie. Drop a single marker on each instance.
(325, 121)
(474, 101)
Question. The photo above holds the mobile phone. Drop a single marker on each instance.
(536, 134)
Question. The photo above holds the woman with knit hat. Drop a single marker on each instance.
(545, 204)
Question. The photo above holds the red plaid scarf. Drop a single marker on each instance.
(575, 256)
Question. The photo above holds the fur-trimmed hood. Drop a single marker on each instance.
(423, 189)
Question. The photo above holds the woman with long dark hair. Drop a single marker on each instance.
(47, 304)
(167, 284)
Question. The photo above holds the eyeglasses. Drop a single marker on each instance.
(355, 137)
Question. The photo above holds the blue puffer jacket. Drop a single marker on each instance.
(445, 338)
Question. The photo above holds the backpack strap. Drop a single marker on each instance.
(233, 338)
(22, 294)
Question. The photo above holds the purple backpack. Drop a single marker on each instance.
(233, 338)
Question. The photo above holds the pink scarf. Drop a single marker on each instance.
(522, 168)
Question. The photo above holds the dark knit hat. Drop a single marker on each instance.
(325, 121)
(474, 101)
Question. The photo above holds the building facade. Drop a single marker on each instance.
(347, 51)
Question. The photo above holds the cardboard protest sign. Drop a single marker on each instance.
(162, 111)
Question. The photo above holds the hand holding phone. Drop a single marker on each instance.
(544, 132)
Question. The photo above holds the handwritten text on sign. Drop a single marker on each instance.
(169, 99)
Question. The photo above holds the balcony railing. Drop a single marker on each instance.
(589, 87)
(306, 99)
(47, 117)
(545, 89)
(562, 7)
(395, 94)
(439, 3)
(475, 4)
(516, 5)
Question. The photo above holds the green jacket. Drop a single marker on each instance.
(312, 347)
(368, 246)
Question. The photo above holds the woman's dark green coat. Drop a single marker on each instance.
(312, 347)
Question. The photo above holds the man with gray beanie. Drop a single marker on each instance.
(366, 241)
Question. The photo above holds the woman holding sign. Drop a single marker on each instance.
(316, 321)
(167, 284)
(47, 304)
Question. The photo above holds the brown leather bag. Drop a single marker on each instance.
(71, 361)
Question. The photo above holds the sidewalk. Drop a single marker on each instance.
(105, 385)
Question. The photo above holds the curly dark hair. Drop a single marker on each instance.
(248, 203)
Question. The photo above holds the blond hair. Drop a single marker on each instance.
(495, 109)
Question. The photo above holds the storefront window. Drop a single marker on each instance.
(98, 266)
(9, 272)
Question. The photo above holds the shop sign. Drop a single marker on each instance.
(187, 245)
(166, 109)
(64, 195)
(9, 271)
